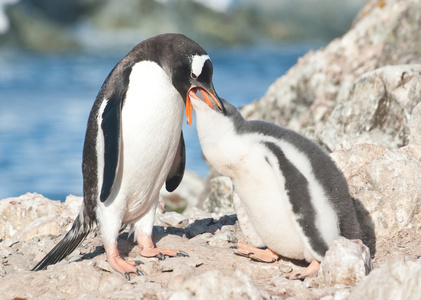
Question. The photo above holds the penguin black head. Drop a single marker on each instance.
(186, 63)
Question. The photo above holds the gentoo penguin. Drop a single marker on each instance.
(295, 198)
(134, 144)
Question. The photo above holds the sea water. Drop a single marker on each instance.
(45, 100)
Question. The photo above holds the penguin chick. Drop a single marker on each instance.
(134, 144)
(294, 196)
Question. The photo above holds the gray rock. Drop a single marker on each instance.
(222, 237)
(218, 285)
(386, 183)
(415, 124)
(377, 109)
(387, 34)
(394, 280)
(19, 212)
(219, 200)
(346, 262)
(172, 219)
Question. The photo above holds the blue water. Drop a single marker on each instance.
(45, 102)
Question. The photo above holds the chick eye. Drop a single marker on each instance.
(192, 75)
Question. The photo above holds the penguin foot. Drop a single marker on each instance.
(310, 271)
(148, 248)
(161, 253)
(262, 255)
(120, 265)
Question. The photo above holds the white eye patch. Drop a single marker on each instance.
(197, 63)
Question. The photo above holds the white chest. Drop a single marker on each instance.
(150, 132)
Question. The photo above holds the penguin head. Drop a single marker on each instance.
(201, 81)
(189, 67)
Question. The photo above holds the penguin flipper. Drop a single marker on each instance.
(177, 169)
(110, 125)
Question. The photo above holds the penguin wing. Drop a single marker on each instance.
(177, 169)
(110, 125)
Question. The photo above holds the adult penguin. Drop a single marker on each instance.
(134, 144)
(290, 196)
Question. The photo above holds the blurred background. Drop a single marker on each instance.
(55, 55)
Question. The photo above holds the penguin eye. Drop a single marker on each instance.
(192, 75)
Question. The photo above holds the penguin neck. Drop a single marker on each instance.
(220, 142)
(213, 127)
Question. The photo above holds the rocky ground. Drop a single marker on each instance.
(359, 98)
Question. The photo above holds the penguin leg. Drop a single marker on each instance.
(109, 218)
(144, 229)
(311, 270)
(263, 255)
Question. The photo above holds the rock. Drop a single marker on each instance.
(17, 213)
(73, 204)
(219, 200)
(196, 213)
(415, 124)
(387, 33)
(186, 194)
(394, 280)
(222, 237)
(218, 285)
(377, 109)
(48, 225)
(346, 262)
(386, 183)
(172, 219)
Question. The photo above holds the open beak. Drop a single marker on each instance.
(205, 95)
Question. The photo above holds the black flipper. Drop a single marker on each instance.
(72, 239)
(177, 169)
(111, 124)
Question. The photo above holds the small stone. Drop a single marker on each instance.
(169, 265)
(346, 262)
(173, 219)
(104, 265)
(219, 200)
(285, 268)
(221, 238)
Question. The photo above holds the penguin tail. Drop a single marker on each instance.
(80, 229)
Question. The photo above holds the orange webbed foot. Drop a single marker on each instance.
(119, 264)
(262, 255)
(148, 248)
(310, 271)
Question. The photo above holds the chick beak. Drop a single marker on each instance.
(205, 95)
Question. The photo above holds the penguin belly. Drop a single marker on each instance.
(150, 132)
(267, 205)
(260, 190)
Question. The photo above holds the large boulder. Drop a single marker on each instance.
(32, 214)
(385, 33)
(376, 110)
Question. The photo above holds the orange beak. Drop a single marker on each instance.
(205, 95)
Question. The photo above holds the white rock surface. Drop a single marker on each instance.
(346, 262)
(394, 280)
(376, 110)
(386, 182)
(18, 213)
(218, 285)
